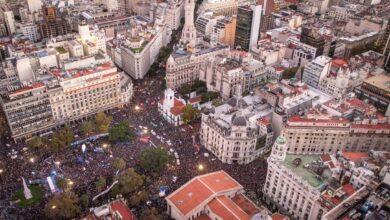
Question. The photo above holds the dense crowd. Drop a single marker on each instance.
(99, 164)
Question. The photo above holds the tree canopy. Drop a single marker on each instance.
(61, 140)
(189, 114)
(63, 206)
(289, 73)
(119, 163)
(102, 122)
(120, 133)
(88, 128)
(35, 143)
(129, 181)
(150, 214)
(154, 159)
(100, 184)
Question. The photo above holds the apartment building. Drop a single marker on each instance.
(314, 186)
(60, 96)
(316, 70)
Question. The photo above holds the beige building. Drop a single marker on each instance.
(184, 66)
(67, 96)
(232, 133)
(220, 7)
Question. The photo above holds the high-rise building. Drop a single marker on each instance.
(34, 5)
(247, 26)
(386, 49)
(315, 70)
(311, 37)
(8, 19)
(53, 24)
(189, 31)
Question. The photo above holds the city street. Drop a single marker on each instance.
(141, 113)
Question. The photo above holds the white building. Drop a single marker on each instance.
(316, 70)
(9, 20)
(30, 30)
(141, 49)
(34, 5)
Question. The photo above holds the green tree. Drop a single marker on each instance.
(139, 197)
(163, 54)
(150, 214)
(102, 122)
(154, 159)
(119, 163)
(129, 181)
(61, 183)
(189, 114)
(88, 128)
(84, 201)
(209, 96)
(198, 84)
(185, 89)
(3, 125)
(62, 139)
(35, 143)
(63, 206)
(120, 133)
(289, 73)
(100, 184)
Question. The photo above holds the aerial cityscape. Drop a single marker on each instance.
(195, 109)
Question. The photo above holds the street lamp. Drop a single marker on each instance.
(32, 160)
(1, 171)
(53, 207)
(57, 163)
(104, 145)
(70, 182)
(200, 167)
(137, 108)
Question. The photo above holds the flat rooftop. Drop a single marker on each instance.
(300, 170)
(380, 81)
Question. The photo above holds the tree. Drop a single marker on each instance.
(129, 181)
(84, 201)
(35, 143)
(163, 54)
(63, 206)
(209, 96)
(100, 184)
(185, 89)
(88, 128)
(61, 140)
(102, 122)
(189, 114)
(3, 125)
(150, 214)
(119, 163)
(120, 133)
(61, 183)
(198, 84)
(154, 159)
(289, 73)
(137, 198)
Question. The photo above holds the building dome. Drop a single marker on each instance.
(239, 121)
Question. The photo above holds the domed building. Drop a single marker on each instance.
(236, 132)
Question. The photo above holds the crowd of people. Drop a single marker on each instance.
(142, 111)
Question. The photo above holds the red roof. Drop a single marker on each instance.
(195, 99)
(27, 88)
(325, 157)
(348, 188)
(278, 216)
(178, 107)
(339, 62)
(355, 156)
(123, 210)
(315, 120)
(201, 189)
(227, 209)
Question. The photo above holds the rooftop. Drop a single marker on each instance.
(300, 169)
(202, 189)
(380, 81)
